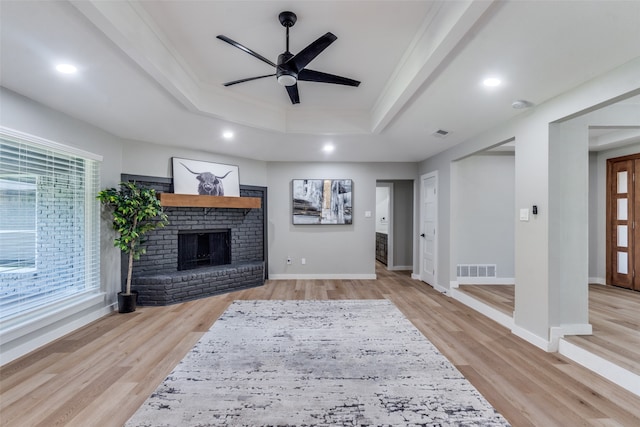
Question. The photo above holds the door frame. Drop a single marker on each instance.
(423, 178)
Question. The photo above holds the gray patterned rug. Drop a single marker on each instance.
(315, 363)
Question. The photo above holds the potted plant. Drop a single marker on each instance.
(136, 211)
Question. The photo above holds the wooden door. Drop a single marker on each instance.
(623, 232)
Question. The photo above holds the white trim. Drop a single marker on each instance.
(453, 284)
(597, 281)
(486, 280)
(415, 276)
(322, 277)
(400, 267)
(493, 314)
(49, 144)
(558, 332)
(531, 338)
(614, 373)
(440, 288)
(22, 348)
(16, 327)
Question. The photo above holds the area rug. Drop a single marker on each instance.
(315, 363)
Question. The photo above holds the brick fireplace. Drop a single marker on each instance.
(161, 277)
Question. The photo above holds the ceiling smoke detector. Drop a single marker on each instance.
(441, 133)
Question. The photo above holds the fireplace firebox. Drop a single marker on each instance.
(203, 248)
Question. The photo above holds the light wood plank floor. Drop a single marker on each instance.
(614, 314)
(100, 374)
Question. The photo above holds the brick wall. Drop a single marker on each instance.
(156, 275)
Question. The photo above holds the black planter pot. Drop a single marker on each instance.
(127, 303)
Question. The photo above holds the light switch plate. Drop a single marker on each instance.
(367, 214)
(524, 214)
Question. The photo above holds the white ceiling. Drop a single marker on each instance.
(153, 70)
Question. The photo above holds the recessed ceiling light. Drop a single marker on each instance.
(491, 82)
(227, 134)
(66, 68)
(328, 148)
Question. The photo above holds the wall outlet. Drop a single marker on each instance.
(289, 261)
(303, 261)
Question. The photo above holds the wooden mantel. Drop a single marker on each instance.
(194, 201)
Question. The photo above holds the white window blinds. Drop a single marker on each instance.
(49, 224)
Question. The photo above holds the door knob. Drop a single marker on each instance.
(422, 235)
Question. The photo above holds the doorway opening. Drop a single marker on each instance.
(394, 219)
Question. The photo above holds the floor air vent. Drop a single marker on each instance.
(476, 270)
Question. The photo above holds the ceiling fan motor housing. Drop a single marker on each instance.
(285, 74)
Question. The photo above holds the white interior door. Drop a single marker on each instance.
(428, 226)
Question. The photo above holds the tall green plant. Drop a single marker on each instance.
(135, 210)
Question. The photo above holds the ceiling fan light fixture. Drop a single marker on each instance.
(287, 80)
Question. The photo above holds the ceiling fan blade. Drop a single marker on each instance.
(293, 93)
(307, 54)
(245, 49)
(248, 79)
(320, 77)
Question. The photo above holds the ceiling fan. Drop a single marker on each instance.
(291, 68)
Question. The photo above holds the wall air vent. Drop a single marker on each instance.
(476, 270)
(441, 133)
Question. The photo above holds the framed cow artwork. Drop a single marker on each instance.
(205, 178)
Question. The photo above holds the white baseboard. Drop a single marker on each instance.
(441, 289)
(597, 280)
(486, 280)
(531, 338)
(437, 287)
(558, 332)
(493, 314)
(614, 373)
(399, 267)
(322, 276)
(17, 349)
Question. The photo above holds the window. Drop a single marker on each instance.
(17, 223)
(49, 225)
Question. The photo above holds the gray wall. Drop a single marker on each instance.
(594, 213)
(534, 314)
(143, 158)
(403, 209)
(330, 251)
(485, 214)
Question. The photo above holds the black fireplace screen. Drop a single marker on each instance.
(203, 248)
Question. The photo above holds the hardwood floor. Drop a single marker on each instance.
(500, 297)
(614, 314)
(100, 374)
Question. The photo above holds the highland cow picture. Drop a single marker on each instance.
(205, 178)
